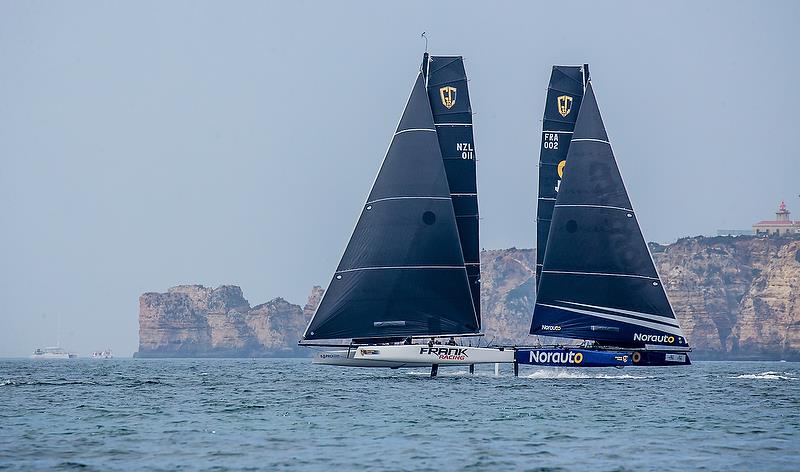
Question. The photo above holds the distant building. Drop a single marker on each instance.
(780, 226)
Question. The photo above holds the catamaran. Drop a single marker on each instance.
(596, 280)
(411, 270)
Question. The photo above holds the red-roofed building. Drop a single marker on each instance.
(781, 225)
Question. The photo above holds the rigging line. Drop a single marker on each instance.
(452, 124)
(452, 60)
(601, 274)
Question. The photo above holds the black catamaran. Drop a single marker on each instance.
(597, 278)
(411, 267)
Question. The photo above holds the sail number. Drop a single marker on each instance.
(550, 140)
(466, 150)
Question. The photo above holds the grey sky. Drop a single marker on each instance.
(148, 144)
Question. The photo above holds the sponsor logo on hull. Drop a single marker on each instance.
(652, 338)
(555, 357)
(573, 357)
(446, 353)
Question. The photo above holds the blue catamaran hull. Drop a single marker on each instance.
(576, 357)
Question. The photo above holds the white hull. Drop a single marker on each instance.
(50, 356)
(414, 355)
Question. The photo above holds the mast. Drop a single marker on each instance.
(599, 281)
(448, 93)
(403, 272)
(564, 96)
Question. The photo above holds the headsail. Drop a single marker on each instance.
(452, 115)
(599, 281)
(564, 96)
(403, 271)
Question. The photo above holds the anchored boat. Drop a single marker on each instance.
(411, 270)
(597, 280)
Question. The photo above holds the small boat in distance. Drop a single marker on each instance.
(55, 352)
(597, 282)
(105, 354)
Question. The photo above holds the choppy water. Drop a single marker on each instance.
(289, 415)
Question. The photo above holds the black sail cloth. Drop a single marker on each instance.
(599, 281)
(403, 271)
(452, 115)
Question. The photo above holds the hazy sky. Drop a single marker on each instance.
(149, 144)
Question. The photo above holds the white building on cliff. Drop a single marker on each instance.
(780, 226)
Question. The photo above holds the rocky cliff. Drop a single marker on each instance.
(198, 321)
(736, 298)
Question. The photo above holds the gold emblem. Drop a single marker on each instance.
(448, 95)
(564, 105)
(561, 166)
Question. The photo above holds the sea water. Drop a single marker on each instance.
(287, 414)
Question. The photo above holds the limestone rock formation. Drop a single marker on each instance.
(735, 297)
(198, 321)
(508, 292)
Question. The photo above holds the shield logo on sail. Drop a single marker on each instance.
(448, 95)
(564, 105)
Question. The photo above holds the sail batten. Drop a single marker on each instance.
(598, 280)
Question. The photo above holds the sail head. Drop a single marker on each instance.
(403, 271)
(598, 280)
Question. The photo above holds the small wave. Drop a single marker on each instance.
(766, 376)
(568, 374)
(441, 373)
(7, 382)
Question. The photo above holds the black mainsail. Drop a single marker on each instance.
(564, 96)
(403, 271)
(598, 280)
(452, 115)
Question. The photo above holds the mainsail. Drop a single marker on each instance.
(452, 116)
(599, 281)
(403, 271)
(564, 95)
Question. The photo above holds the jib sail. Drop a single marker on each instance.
(403, 271)
(598, 280)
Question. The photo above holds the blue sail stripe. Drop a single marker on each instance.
(657, 318)
(622, 319)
